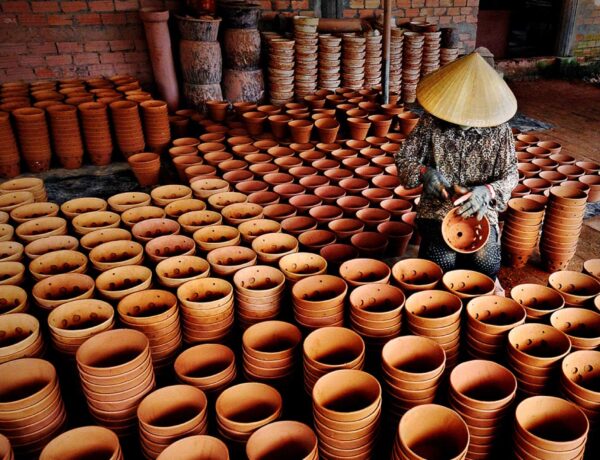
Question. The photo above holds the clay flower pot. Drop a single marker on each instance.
(237, 213)
(577, 288)
(116, 253)
(98, 237)
(36, 229)
(381, 124)
(189, 447)
(216, 236)
(282, 438)
(254, 122)
(217, 110)
(210, 367)
(271, 247)
(314, 240)
(398, 234)
(11, 251)
(56, 290)
(116, 283)
(57, 262)
(365, 271)
(319, 292)
(327, 129)
(465, 235)
(82, 441)
(124, 201)
(13, 299)
(74, 207)
(413, 359)
(377, 313)
(538, 301)
(163, 247)
(95, 220)
(359, 127)
(370, 244)
(32, 211)
(345, 228)
(162, 196)
(467, 283)
(175, 271)
(149, 229)
(22, 337)
(581, 325)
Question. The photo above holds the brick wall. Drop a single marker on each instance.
(65, 38)
(587, 29)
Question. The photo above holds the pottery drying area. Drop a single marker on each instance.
(246, 285)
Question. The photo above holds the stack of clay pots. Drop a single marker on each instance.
(145, 167)
(156, 314)
(412, 370)
(283, 439)
(258, 294)
(200, 59)
(330, 53)
(206, 310)
(242, 409)
(96, 132)
(21, 337)
(270, 352)
(34, 138)
(489, 320)
(9, 159)
(31, 407)
(306, 47)
(24, 184)
(468, 284)
(353, 61)
(346, 412)
(301, 265)
(125, 116)
(578, 289)
(66, 135)
(169, 413)
(328, 349)
(83, 441)
(578, 373)
(534, 354)
(242, 74)
(210, 367)
(431, 431)
(549, 427)
(373, 53)
(431, 53)
(562, 226)
(447, 55)
(281, 70)
(521, 230)
(376, 313)
(436, 315)
(483, 392)
(396, 46)
(411, 65)
(73, 323)
(156, 125)
(581, 325)
(115, 369)
(539, 301)
(319, 301)
(416, 274)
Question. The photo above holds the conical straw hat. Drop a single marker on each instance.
(467, 92)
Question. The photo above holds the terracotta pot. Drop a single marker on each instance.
(538, 345)
(316, 239)
(36, 229)
(271, 247)
(577, 289)
(365, 271)
(413, 359)
(116, 253)
(195, 220)
(190, 447)
(22, 337)
(83, 441)
(370, 244)
(581, 325)
(162, 196)
(56, 290)
(327, 129)
(13, 299)
(119, 282)
(11, 251)
(465, 235)
(57, 262)
(124, 201)
(358, 127)
(163, 247)
(433, 309)
(277, 438)
(467, 284)
(74, 207)
(95, 220)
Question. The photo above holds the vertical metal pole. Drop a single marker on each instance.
(387, 35)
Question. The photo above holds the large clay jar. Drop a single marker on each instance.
(210, 367)
(199, 447)
(83, 441)
(284, 438)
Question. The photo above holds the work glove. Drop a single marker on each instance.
(435, 184)
(474, 203)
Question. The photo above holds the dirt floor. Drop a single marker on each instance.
(573, 108)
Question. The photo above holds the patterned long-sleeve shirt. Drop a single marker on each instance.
(470, 157)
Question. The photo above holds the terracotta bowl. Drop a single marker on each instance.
(467, 283)
(330, 348)
(282, 438)
(207, 366)
(365, 271)
(494, 314)
(433, 309)
(538, 345)
(577, 288)
(188, 447)
(580, 324)
(416, 274)
(413, 359)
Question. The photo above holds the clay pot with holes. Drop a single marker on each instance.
(319, 301)
(21, 337)
(283, 438)
(118, 282)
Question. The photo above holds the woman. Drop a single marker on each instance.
(463, 143)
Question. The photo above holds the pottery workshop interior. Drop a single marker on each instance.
(300, 229)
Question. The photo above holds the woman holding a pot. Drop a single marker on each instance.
(462, 144)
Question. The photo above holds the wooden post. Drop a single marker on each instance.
(566, 27)
(387, 35)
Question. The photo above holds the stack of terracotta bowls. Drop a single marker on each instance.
(489, 320)
(373, 54)
(306, 47)
(270, 352)
(579, 371)
(539, 301)
(21, 337)
(83, 441)
(416, 274)
(156, 125)
(412, 370)
(156, 314)
(353, 61)
(431, 431)
(66, 135)
(578, 289)
(188, 447)
(346, 413)
(206, 309)
(283, 439)
(328, 349)
(483, 392)
(96, 130)
(281, 70)
(396, 46)
(562, 226)
(258, 294)
(411, 65)
(25, 184)
(319, 301)
(210, 367)
(330, 53)
(431, 53)
(9, 159)
(31, 407)
(301, 265)
(115, 368)
(467, 284)
(376, 314)
(534, 355)
(521, 230)
(436, 315)
(169, 413)
(145, 167)
(271, 247)
(447, 55)
(127, 124)
(244, 408)
(73, 323)
(34, 138)
(582, 326)
(549, 427)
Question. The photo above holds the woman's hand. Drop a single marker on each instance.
(435, 184)
(474, 203)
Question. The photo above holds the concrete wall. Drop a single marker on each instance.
(586, 41)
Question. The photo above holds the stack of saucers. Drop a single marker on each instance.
(447, 55)
(330, 53)
(431, 53)
(396, 46)
(353, 61)
(281, 70)
(306, 69)
(412, 57)
(373, 60)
